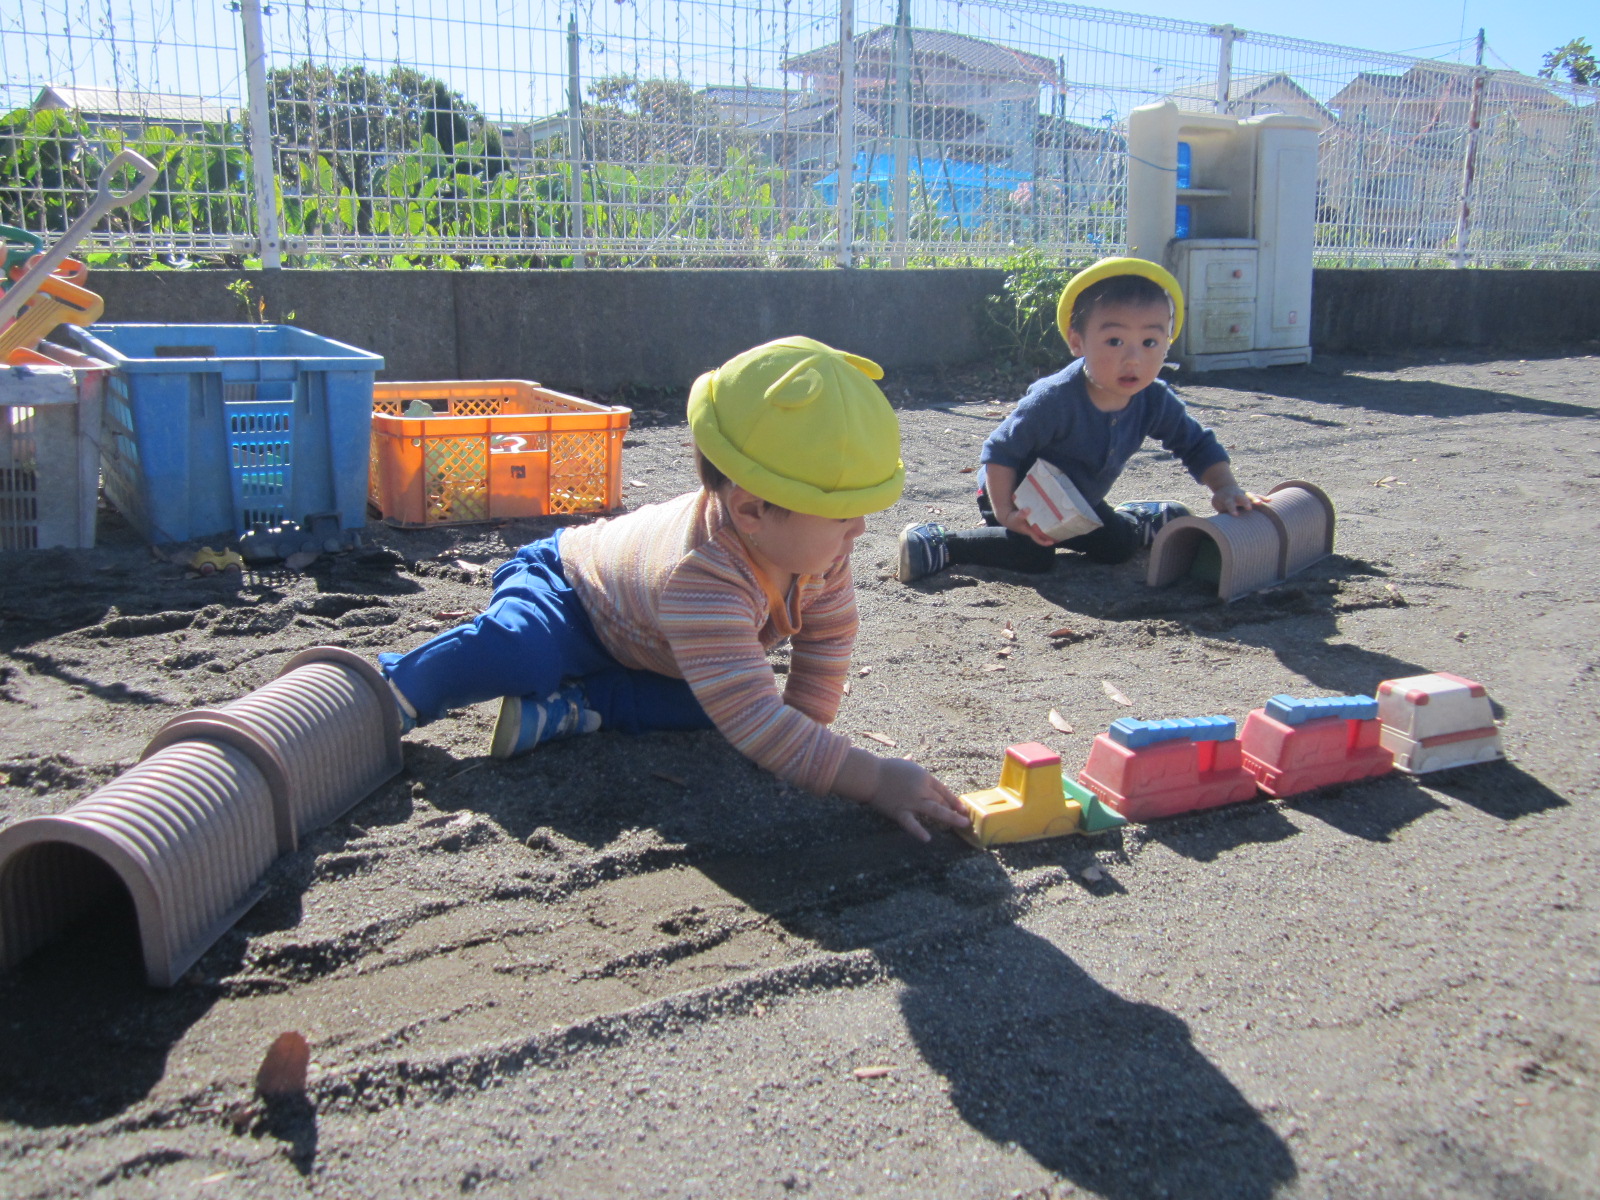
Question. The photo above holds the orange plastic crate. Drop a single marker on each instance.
(493, 449)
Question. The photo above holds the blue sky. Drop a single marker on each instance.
(517, 70)
(1518, 34)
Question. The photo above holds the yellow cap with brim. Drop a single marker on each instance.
(1107, 268)
(801, 425)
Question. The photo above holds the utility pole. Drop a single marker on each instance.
(1469, 163)
(1226, 35)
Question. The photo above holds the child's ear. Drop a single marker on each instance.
(744, 508)
(1075, 342)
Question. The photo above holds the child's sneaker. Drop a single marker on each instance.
(922, 550)
(1151, 515)
(525, 722)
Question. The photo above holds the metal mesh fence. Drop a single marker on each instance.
(678, 132)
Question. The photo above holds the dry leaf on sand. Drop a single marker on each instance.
(1111, 690)
(283, 1070)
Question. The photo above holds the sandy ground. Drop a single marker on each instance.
(642, 966)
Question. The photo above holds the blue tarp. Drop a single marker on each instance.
(956, 189)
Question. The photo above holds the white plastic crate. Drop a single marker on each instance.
(50, 449)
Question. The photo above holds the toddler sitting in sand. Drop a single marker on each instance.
(1119, 318)
(662, 619)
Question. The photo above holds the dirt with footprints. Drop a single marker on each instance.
(642, 966)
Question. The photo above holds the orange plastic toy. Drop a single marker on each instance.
(56, 302)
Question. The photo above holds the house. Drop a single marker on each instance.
(794, 129)
(133, 112)
(1431, 97)
(746, 104)
(971, 100)
(1393, 161)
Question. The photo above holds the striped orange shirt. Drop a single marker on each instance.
(671, 589)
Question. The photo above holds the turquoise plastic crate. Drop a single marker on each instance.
(210, 429)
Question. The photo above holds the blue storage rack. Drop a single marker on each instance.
(211, 429)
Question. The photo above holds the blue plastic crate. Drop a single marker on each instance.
(210, 429)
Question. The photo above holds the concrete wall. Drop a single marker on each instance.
(1374, 311)
(598, 331)
(593, 331)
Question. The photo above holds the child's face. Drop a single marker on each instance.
(802, 544)
(1123, 347)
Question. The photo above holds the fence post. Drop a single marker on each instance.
(902, 131)
(262, 169)
(1469, 162)
(574, 144)
(846, 122)
(1226, 35)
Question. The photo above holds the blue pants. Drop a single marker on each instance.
(534, 636)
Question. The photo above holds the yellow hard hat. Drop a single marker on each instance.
(1106, 268)
(801, 425)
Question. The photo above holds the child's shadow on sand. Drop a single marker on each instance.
(1107, 1092)
(1110, 1093)
(1295, 620)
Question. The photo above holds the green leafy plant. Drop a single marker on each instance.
(1023, 314)
(250, 301)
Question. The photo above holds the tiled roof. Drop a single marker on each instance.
(144, 106)
(750, 97)
(1433, 83)
(1251, 89)
(929, 46)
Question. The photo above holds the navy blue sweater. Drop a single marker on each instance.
(1056, 421)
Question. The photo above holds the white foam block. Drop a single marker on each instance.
(1052, 502)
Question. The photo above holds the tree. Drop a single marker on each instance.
(1576, 58)
(632, 120)
(358, 124)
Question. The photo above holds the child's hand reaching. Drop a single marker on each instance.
(1233, 500)
(1226, 494)
(906, 792)
(900, 790)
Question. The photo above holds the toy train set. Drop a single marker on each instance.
(1145, 770)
